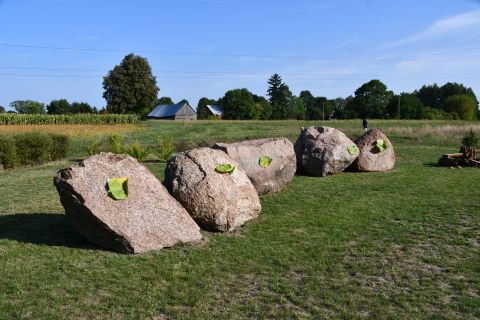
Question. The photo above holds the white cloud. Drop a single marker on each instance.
(466, 22)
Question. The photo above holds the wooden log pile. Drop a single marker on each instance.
(467, 157)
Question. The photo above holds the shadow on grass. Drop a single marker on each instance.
(42, 229)
(431, 164)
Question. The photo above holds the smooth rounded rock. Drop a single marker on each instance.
(370, 158)
(324, 150)
(217, 201)
(271, 178)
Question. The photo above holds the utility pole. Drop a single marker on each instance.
(398, 107)
(323, 111)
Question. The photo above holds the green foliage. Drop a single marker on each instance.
(2, 109)
(371, 100)
(436, 97)
(130, 87)
(59, 147)
(118, 188)
(438, 114)
(137, 151)
(225, 168)
(33, 148)
(238, 104)
(405, 106)
(27, 119)
(61, 106)
(28, 107)
(91, 147)
(279, 95)
(463, 105)
(117, 143)
(164, 100)
(8, 152)
(81, 107)
(265, 161)
(163, 148)
(263, 109)
(471, 139)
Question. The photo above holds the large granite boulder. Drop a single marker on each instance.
(148, 219)
(250, 155)
(373, 158)
(324, 150)
(217, 201)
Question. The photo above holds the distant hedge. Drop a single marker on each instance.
(82, 118)
(32, 148)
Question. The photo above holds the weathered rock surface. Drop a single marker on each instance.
(272, 178)
(370, 158)
(149, 219)
(219, 202)
(323, 150)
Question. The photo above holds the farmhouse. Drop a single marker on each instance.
(214, 111)
(179, 111)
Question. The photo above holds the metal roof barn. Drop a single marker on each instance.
(179, 111)
(215, 110)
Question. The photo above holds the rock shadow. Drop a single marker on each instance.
(42, 229)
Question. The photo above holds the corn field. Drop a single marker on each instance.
(83, 118)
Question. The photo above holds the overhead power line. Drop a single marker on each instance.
(225, 77)
(263, 74)
(217, 54)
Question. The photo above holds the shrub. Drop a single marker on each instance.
(471, 139)
(60, 145)
(117, 143)
(136, 151)
(91, 147)
(8, 152)
(163, 148)
(33, 148)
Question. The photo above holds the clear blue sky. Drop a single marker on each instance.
(205, 47)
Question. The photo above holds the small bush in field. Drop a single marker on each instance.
(91, 147)
(471, 139)
(33, 148)
(136, 151)
(117, 143)
(163, 148)
(60, 145)
(8, 152)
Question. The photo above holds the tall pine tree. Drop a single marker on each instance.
(279, 95)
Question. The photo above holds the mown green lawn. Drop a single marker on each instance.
(396, 245)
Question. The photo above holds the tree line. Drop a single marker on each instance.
(131, 87)
(61, 106)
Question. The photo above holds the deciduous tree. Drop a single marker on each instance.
(28, 107)
(130, 87)
(61, 106)
(371, 99)
(462, 104)
(238, 104)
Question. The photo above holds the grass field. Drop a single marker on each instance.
(396, 245)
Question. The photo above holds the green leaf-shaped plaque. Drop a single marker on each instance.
(380, 145)
(265, 161)
(225, 168)
(352, 149)
(118, 188)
